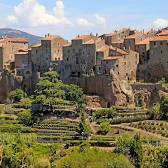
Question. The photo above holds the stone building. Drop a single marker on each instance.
(131, 41)
(157, 67)
(117, 36)
(143, 48)
(50, 50)
(8, 48)
(80, 57)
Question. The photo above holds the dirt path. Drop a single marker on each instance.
(92, 126)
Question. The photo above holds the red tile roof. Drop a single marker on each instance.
(145, 41)
(160, 38)
(14, 39)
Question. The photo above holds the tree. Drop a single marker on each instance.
(75, 94)
(17, 95)
(164, 108)
(136, 151)
(155, 111)
(123, 144)
(104, 127)
(52, 92)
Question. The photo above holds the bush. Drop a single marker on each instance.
(104, 113)
(25, 103)
(17, 95)
(25, 118)
(104, 128)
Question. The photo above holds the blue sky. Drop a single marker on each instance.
(71, 17)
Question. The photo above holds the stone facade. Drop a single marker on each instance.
(117, 36)
(49, 50)
(9, 47)
(80, 57)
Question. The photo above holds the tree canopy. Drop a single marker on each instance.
(51, 91)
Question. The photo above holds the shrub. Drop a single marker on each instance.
(25, 117)
(17, 95)
(104, 128)
(25, 103)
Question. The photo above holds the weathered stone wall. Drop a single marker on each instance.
(7, 83)
(111, 89)
(148, 93)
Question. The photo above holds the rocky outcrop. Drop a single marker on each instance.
(110, 88)
(148, 94)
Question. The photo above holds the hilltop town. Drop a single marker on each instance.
(97, 101)
(121, 68)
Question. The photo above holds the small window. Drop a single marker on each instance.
(67, 59)
(154, 43)
(161, 43)
(161, 52)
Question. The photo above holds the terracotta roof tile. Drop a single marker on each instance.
(14, 39)
(160, 38)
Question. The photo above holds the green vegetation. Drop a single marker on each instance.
(158, 127)
(25, 117)
(51, 92)
(17, 95)
(37, 132)
(92, 158)
(104, 127)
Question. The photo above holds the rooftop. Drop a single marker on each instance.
(118, 50)
(159, 38)
(15, 39)
(110, 58)
(36, 46)
(134, 36)
(51, 37)
(163, 33)
(145, 41)
(104, 48)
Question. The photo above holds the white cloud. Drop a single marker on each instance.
(160, 23)
(32, 13)
(84, 22)
(100, 19)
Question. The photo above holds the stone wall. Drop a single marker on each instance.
(7, 83)
(148, 93)
(112, 90)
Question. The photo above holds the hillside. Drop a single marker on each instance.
(17, 33)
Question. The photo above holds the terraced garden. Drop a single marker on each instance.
(118, 116)
(157, 127)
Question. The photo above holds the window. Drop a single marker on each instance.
(161, 52)
(154, 43)
(67, 59)
(117, 65)
(161, 43)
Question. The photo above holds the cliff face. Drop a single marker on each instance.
(7, 83)
(110, 88)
